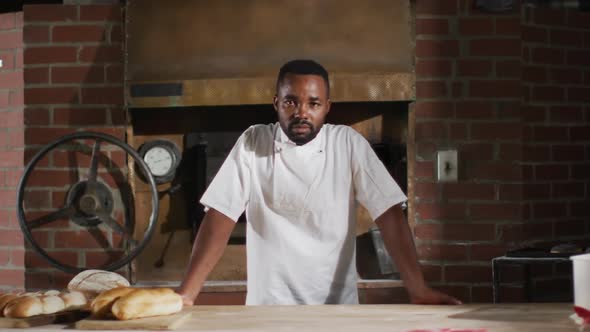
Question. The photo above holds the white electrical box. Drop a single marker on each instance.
(447, 166)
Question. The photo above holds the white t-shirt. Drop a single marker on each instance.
(300, 204)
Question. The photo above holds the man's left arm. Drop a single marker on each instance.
(399, 242)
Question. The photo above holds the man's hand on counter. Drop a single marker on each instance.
(209, 245)
(399, 242)
(186, 300)
(428, 295)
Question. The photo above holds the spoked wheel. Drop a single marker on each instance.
(89, 203)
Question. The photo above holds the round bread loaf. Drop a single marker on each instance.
(146, 303)
(94, 282)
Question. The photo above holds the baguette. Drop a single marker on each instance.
(24, 306)
(4, 300)
(102, 304)
(27, 306)
(146, 303)
(52, 304)
(52, 292)
(39, 293)
(74, 300)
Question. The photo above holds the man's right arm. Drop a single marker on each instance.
(209, 245)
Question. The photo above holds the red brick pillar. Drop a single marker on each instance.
(73, 62)
(11, 149)
(468, 96)
(556, 77)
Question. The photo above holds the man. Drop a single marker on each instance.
(299, 181)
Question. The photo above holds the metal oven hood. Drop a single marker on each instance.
(228, 52)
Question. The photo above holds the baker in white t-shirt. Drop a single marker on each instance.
(299, 181)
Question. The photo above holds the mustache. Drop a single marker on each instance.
(300, 122)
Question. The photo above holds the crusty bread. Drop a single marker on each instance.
(39, 293)
(24, 306)
(102, 304)
(4, 300)
(94, 282)
(52, 292)
(146, 303)
(52, 304)
(74, 300)
(27, 306)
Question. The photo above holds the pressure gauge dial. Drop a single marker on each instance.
(159, 160)
(162, 158)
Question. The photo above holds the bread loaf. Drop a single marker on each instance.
(52, 292)
(52, 304)
(4, 300)
(39, 293)
(24, 306)
(102, 304)
(27, 306)
(147, 302)
(74, 300)
(94, 282)
(30, 304)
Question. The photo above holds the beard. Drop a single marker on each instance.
(301, 131)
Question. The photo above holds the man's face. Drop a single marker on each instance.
(302, 104)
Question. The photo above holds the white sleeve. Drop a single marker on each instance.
(374, 187)
(229, 191)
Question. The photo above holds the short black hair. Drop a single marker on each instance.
(303, 67)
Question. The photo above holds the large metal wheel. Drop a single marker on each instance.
(89, 202)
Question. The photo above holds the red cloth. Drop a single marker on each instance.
(583, 313)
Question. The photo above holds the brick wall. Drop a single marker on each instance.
(468, 98)
(11, 149)
(556, 73)
(508, 91)
(522, 144)
(73, 74)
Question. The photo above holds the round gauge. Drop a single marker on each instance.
(159, 160)
(162, 158)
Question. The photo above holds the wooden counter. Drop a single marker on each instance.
(230, 286)
(225, 292)
(370, 318)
